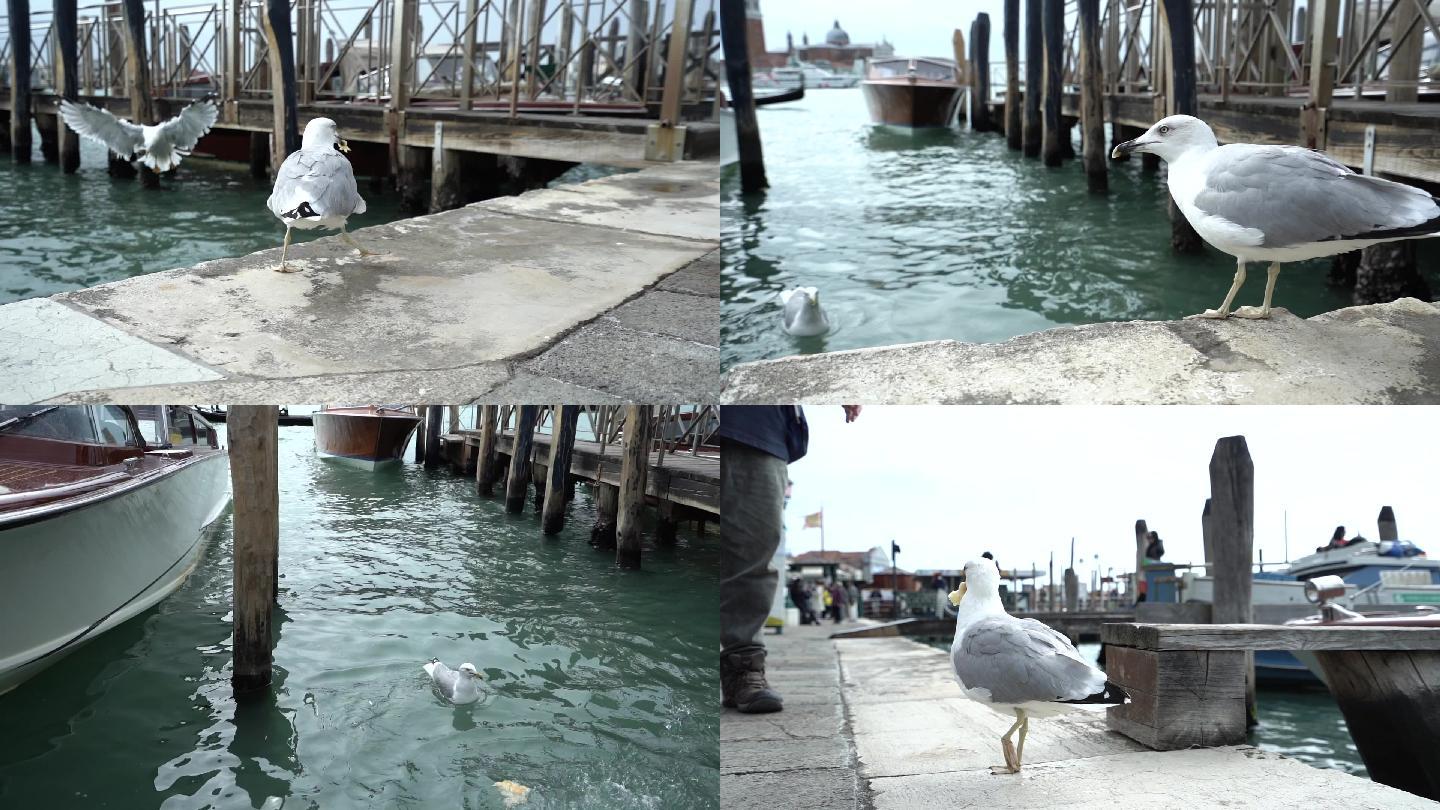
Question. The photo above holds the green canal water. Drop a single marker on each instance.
(600, 686)
(938, 234)
(63, 232)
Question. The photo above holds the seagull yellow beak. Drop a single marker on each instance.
(957, 594)
(344, 147)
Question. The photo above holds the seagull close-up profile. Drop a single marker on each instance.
(459, 686)
(1015, 665)
(1264, 203)
(315, 187)
(159, 146)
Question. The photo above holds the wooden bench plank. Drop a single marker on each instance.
(1268, 637)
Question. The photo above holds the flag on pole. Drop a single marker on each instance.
(815, 521)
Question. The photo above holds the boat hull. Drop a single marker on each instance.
(365, 440)
(66, 578)
(914, 105)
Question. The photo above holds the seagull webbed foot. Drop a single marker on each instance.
(1252, 313)
(1012, 762)
(284, 269)
(1210, 314)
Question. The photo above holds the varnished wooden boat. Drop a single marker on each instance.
(911, 92)
(104, 511)
(367, 436)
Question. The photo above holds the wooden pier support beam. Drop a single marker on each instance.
(1387, 272)
(742, 97)
(253, 432)
(607, 503)
(1232, 525)
(434, 417)
(1011, 34)
(1053, 21)
(635, 461)
(1388, 529)
(980, 74)
(562, 447)
(1141, 533)
(1207, 538)
(280, 45)
(67, 75)
(48, 125)
(412, 179)
(486, 470)
(1032, 130)
(1183, 100)
(667, 527)
(447, 190)
(1072, 590)
(20, 57)
(1092, 99)
(137, 81)
(519, 479)
(420, 435)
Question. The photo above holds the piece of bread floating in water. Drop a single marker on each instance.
(514, 792)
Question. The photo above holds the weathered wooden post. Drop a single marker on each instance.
(485, 468)
(1072, 590)
(1092, 99)
(1324, 23)
(1054, 31)
(420, 435)
(67, 67)
(1389, 271)
(1207, 536)
(742, 98)
(19, 21)
(1032, 130)
(447, 190)
(1388, 529)
(1403, 86)
(137, 86)
(980, 74)
(254, 477)
(635, 460)
(1011, 34)
(1180, 23)
(519, 478)
(562, 447)
(280, 44)
(668, 134)
(1232, 524)
(1141, 531)
(434, 415)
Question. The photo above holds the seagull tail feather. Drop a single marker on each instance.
(1111, 694)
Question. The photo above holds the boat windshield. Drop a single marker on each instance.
(88, 424)
(890, 69)
(934, 71)
(189, 427)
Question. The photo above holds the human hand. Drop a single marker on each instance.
(852, 412)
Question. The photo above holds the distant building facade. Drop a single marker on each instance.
(837, 52)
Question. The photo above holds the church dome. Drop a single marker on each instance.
(837, 36)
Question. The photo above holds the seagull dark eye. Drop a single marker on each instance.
(1164, 129)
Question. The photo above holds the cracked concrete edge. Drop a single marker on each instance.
(517, 382)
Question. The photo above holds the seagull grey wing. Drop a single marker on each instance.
(315, 184)
(445, 679)
(186, 129)
(1297, 196)
(1016, 663)
(119, 136)
(340, 196)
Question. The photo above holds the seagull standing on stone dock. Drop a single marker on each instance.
(1262, 203)
(160, 146)
(315, 187)
(1016, 665)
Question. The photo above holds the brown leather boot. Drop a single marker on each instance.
(743, 686)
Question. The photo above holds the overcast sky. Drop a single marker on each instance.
(950, 483)
(914, 27)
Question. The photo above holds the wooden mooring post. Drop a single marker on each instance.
(980, 74)
(635, 459)
(1011, 33)
(137, 86)
(420, 435)
(486, 470)
(518, 481)
(1232, 529)
(434, 453)
(742, 97)
(1053, 20)
(253, 432)
(280, 44)
(1182, 100)
(20, 58)
(1141, 531)
(67, 68)
(1032, 128)
(1386, 524)
(1092, 99)
(562, 447)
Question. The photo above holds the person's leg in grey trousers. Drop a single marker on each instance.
(752, 503)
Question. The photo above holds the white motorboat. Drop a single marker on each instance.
(104, 511)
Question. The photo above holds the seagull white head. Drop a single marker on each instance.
(803, 315)
(321, 133)
(982, 577)
(469, 670)
(1170, 138)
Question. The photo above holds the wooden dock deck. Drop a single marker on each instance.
(880, 723)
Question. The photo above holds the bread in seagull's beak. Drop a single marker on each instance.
(344, 147)
(957, 594)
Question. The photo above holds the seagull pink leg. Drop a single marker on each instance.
(283, 250)
(1224, 310)
(1012, 761)
(1264, 310)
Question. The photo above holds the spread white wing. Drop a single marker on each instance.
(175, 138)
(120, 136)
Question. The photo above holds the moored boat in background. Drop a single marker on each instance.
(911, 92)
(104, 511)
(367, 436)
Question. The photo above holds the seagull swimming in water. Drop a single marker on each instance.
(803, 315)
(1016, 665)
(160, 146)
(315, 187)
(1277, 203)
(456, 685)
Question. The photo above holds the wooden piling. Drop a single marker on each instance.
(667, 527)
(1387, 272)
(1013, 103)
(20, 57)
(137, 78)
(67, 66)
(1232, 526)
(1072, 590)
(980, 74)
(742, 98)
(420, 435)
(1183, 100)
(486, 471)
(434, 417)
(1388, 530)
(607, 502)
(519, 478)
(1031, 126)
(412, 179)
(635, 461)
(1092, 99)
(1142, 531)
(1207, 539)
(253, 432)
(1053, 21)
(48, 125)
(280, 46)
(447, 190)
(557, 489)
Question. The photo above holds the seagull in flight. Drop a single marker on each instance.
(1264, 203)
(159, 146)
(315, 187)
